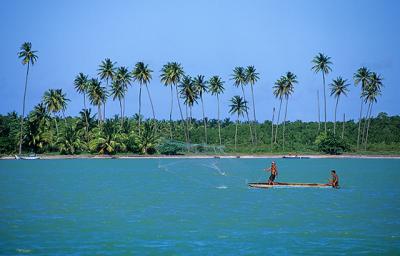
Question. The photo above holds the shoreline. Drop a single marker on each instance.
(245, 156)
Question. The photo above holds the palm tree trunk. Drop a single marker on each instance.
(323, 78)
(204, 119)
(365, 125)
(180, 111)
(140, 106)
(219, 123)
(254, 114)
(272, 129)
(236, 131)
(65, 120)
(104, 103)
(344, 121)
(99, 112)
(359, 125)
(170, 113)
(151, 102)
(187, 121)
(369, 121)
(86, 118)
(334, 124)
(319, 115)
(55, 120)
(284, 123)
(247, 116)
(277, 122)
(122, 118)
(23, 110)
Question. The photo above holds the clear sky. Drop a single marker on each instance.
(208, 37)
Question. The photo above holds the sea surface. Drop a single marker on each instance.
(197, 207)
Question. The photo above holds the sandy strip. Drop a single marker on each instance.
(204, 156)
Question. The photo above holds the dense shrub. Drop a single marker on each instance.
(331, 144)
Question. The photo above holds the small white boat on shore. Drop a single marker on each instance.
(29, 157)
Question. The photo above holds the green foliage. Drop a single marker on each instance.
(331, 144)
(169, 147)
(70, 143)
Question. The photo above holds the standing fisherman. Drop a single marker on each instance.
(274, 172)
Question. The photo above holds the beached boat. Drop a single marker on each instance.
(29, 157)
(296, 157)
(288, 185)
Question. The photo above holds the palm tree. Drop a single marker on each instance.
(142, 74)
(290, 80)
(240, 79)
(28, 57)
(200, 85)
(272, 128)
(322, 64)
(216, 88)
(370, 94)
(339, 86)
(81, 86)
(251, 78)
(55, 101)
(106, 72)
(238, 107)
(279, 92)
(361, 76)
(97, 95)
(171, 74)
(124, 78)
(190, 95)
(118, 92)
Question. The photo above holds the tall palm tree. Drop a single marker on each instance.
(55, 101)
(272, 128)
(251, 78)
(97, 96)
(370, 94)
(142, 74)
(118, 92)
(322, 64)
(28, 57)
(106, 72)
(171, 74)
(216, 88)
(361, 76)
(339, 86)
(238, 107)
(190, 95)
(200, 85)
(124, 78)
(240, 79)
(81, 86)
(279, 92)
(290, 80)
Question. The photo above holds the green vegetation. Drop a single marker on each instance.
(44, 130)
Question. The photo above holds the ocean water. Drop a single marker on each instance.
(197, 207)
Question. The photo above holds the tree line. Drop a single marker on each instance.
(114, 81)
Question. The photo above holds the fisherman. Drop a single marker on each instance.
(334, 182)
(274, 172)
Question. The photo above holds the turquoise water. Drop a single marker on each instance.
(197, 207)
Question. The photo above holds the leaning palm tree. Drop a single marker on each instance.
(142, 74)
(251, 78)
(339, 86)
(118, 92)
(28, 57)
(290, 80)
(322, 64)
(106, 72)
(200, 85)
(239, 78)
(279, 92)
(216, 88)
(238, 107)
(370, 94)
(361, 76)
(97, 96)
(171, 74)
(81, 86)
(55, 101)
(124, 78)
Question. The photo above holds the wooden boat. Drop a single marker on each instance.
(288, 185)
(29, 157)
(296, 157)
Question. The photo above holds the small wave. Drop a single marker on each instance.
(23, 250)
(222, 187)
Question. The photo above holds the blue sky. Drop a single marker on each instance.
(208, 37)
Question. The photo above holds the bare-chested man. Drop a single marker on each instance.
(274, 172)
